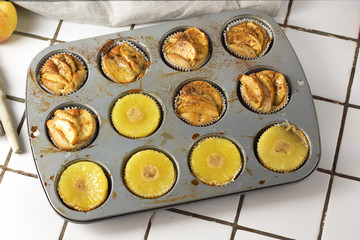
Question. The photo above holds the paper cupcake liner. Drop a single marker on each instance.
(146, 196)
(215, 184)
(59, 53)
(157, 104)
(296, 131)
(240, 21)
(224, 107)
(276, 109)
(85, 143)
(119, 43)
(177, 67)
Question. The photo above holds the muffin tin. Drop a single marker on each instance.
(174, 137)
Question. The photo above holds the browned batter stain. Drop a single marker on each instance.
(87, 155)
(253, 137)
(195, 182)
(31, 76)
(106, 46)
(52, 178)
(45, 184)
(262, 182)
(114, 195)
(33, 130)
(233, 99)
(221, 133)
(91, 146)
(195, 136)
(249, 171)
(166, 136)
(50, 150)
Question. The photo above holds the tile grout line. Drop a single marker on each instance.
(288, 12)
(15, 99)
(236, 219)
(4, 167)
(30, 35)
(62, 233)
(215, 220)
(151, 219)
(54, 39)
(340, 136)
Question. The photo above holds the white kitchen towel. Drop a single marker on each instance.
(123, 13)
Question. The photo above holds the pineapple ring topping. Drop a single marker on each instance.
(215, 160)
(135, 114)
(282, 146)
(150, 172)
(81, 185)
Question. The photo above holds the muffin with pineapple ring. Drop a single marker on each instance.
(71, 129)
(149, 174)
(282, 148)
(215, 161)
(83, 186)
(136, 115)
(62, 74)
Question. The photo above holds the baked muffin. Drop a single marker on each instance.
(83, 186)
(71, 129)
(282, 148)
(247, 39)
(265, 91)
(136, 115)
(124, 64)
(149, 174)
(215, 161)
(188, 49)
(199, 103)
(62, 74)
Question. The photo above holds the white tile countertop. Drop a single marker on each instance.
(326, 37)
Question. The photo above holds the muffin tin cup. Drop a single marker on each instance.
(277, 109)
(105, 170)
(300, 133)
(119, 42)
(177, 67)
(153, 148)
(141, 93)
(224, 103)
(38, 76)
(174, 136)
(74, 106)
(239, 21)
(239, 148)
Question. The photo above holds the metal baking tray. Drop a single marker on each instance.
(174, 136)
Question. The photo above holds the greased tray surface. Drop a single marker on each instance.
(174, 136)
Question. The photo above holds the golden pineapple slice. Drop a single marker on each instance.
(149, 174)
(135, 115)
(83, 186)
(215, 161)
(282, 148)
